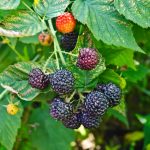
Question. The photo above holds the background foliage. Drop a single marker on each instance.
(119, 29)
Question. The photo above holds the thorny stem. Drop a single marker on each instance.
(57, 47)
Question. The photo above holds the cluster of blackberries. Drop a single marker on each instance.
(90, 112)
(61, 81)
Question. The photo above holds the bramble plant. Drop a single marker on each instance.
(68, 68)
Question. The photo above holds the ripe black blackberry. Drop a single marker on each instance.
(60, 110)
(72, 122)
(89, 121)
(69, 40)
(112, 92)
(88, 58)
(96, 103)
(37, 79)
(62, 81)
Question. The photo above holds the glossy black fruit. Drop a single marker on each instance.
(37, 79)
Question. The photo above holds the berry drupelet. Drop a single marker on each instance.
(96, 103)
(69, 40)
(88, 58)
(37, 79)
(72, 122)
(89, 121)
(112, 92)
(62, 81)
(60, 110)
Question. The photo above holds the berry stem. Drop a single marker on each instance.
(57, 61)
(47, 61)
(57, 47)
(3, 93)
(71, 96)
(14, 49)
(70, 54)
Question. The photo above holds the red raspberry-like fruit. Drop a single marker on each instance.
(45, 39)
(88, 58)
(65, 23)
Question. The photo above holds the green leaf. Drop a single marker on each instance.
(134, 136)
(136, 75)
(9, 4)
(30, 39)
(119, 112)
(21, 23)
(147, 133)
(119, 57)
(51, 8)
(9, 125)
(15, 79)
(110, 76)
(136, 10)
(85, 79)
(53, 135)
(105, 22)
(146, 121)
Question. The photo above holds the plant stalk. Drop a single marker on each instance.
(56, 42)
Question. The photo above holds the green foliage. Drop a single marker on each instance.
(9, 4)
(109, 75)
(114, 28)
(21, 23)
(118, 57)
(137, 11)
(53, 135)
(9, 125)
(15, 79)
(136, 75)
(51, 8)
(119, 112)
(146, 121)
(105, 22)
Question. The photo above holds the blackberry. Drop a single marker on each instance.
(72, 122)
(62, 81)
(69, 40)
(96, 103)
(60, 110)
(88, 58)
(112, 92)
(89, 121)
(37, 79)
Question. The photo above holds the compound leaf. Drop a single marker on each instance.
(21, 23)
(136, 10)
(50, 8)
(105, 22)
(9, 4)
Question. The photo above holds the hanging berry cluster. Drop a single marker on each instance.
(95, 103)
